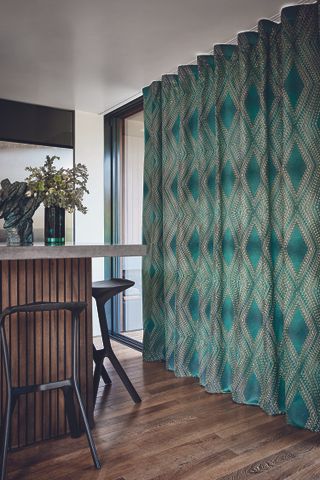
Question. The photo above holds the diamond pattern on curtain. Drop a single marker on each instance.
(232, 218)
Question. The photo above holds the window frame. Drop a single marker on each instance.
(113, 146)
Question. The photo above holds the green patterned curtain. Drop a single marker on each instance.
(232, 218)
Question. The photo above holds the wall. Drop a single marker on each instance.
(89, 149)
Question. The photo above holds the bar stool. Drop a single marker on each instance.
(103, 291)
(69, 385)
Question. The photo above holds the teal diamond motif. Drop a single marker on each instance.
(226, 378)
(195, 71)
(297, 248)
(254, 247)
(293, 86)
(173, 245)
(253, 175)
(254, 320)
(298, 331)
(194, 364)
(193, 185)
(149, 325)
(227, 179)
(295, 167)
(194, 305)
(298, 413)
(211, 181)
(212, 119)
(146, 135)
(171, 362)
(228, 246)
(152, 271)
(208, 310)
(269, 96)
(210, 245)
(194, 124)
(282, 395)
(227, 314)
(278, 322)
(227, 111)
(274, 247)
(172, 302)
(272, 171)
(227, 50)
(176, 129)
(174, 187)
(252, 103)
(291, 13)
(252, 392)
(145, 189)
(194, 245)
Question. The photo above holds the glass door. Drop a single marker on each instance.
(124, 158)
(131, 222)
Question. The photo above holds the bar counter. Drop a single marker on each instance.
(40, 251)
(40, 344)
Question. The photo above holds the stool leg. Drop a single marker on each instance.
(96, 380)
(11, 401)
(70, 412)
(5, 438)
(74, 347)
(104, 373)
(105, 376)
(110, 353)
(124, 377)
(92, 446)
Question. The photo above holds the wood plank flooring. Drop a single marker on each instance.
(178, 432)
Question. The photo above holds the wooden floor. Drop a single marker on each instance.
(178, 432)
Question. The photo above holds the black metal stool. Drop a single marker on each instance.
(102, 292)
(69, 385)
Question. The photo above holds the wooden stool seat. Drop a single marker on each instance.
(109, 288)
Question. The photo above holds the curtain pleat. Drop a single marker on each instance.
(231, 218)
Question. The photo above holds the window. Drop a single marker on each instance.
(131, 222)
(124, 156)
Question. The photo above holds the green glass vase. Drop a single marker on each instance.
(54, 220)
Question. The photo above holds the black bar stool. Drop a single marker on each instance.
(69, 385)
(102, 292)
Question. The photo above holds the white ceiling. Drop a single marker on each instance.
(92, 55)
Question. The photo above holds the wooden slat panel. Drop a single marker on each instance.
(61, 332)
(20, 340)
(31, 354)
(40, 344)
(38, 295)
(53, 297)
(46, 342)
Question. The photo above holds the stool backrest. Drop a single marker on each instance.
(74, 307)
(37, 307)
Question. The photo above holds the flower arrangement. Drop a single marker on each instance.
(63, 187)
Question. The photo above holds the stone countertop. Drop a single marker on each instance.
(41, 251)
